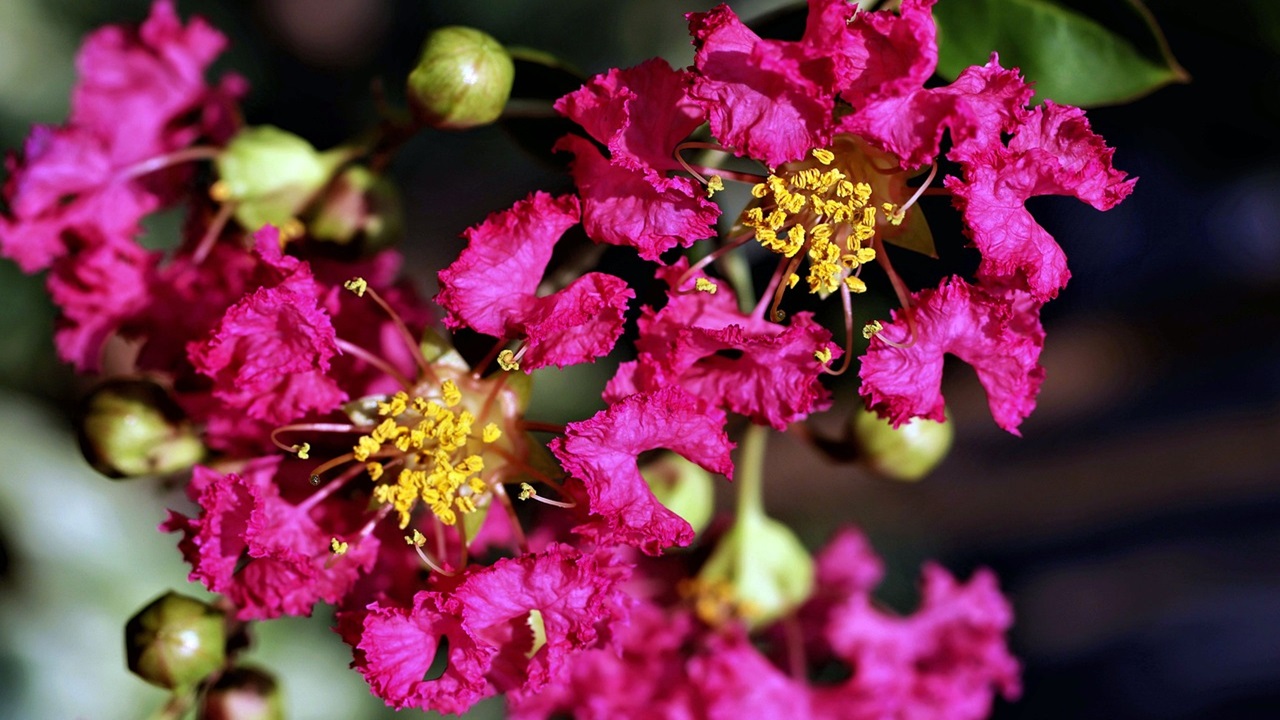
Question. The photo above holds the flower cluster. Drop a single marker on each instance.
(356, 459)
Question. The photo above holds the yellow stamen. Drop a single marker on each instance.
(303, 451)
(704, 285)
(220, 191)
(526, 491)
(823, 355)
(356, 285)
(338, 547)
(871, 328)
(714, 185)
(507, 361)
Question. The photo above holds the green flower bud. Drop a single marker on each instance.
(271, 175)
(242, 693)
(908, 453)
(760, 567)
(462, 80)
(175, 642)
(132, 427)
(359, 207)
(682, 487)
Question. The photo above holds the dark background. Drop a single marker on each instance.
(1135, 525)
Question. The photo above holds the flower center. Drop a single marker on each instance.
(434, 443)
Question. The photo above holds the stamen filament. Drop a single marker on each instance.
(500, 492)
(160, 162)
(376, 361)
(330, 488)
(211, 233)
(846, 301)
(423, 365)
(309, 427)
(707, 260)
(933, 172)
(535, 426)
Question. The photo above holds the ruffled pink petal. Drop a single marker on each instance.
(395, 647)
(887, 53)
(736, 681)
(267, 556)
(704, 344)
(96, 289)
(601, 452)
(134, 83)
(1054, 152)
(488, 287)
(982, 103)
(996, 331)
(640, 114)
(269, 356)
(766, 99)
(576, 325)
(623, 206)
(577, 600)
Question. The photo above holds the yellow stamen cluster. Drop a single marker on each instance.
(433, 442)
(819, 208)
(714, 602)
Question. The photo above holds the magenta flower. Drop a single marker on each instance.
(997, 332)
(493, 287)
(510, 627)
(601, 452)
(269, 556)
(631, 198)
(743, 363)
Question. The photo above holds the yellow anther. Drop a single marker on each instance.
(792, 279)
(526, 491)
(365, 447)
(776, 220)
(356, 285)
(759, 190)
(871, 329)
(338, 547)
(292, 229)
(714, 185)
(823, 355)
(465, 505)
(397, 405)
(375, 470)
(507, 361)
(704, 285)
(416, 540)
(451, 394)
(491, 433)
(855, 284)
(824, 156)
(303, 451)
(220, 191)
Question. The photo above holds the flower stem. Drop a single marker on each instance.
(750, 472)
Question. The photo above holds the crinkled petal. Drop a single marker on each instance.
(766, 99)
(96, 289)
(885, 53)
(601, 452)
(490, 284)
(640, 114)
(572, 597)
(395, 647)
(704, 344)
(996, 331)
(623, 206)
(576, 325)
(1054, 152)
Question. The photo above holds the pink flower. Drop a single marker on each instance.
(141, 95)
(269, 356)
(630, 198)
(743, 363)
(510, 627)
(493, 287)
(601, 453)
(997, 331)
(270, 557)
(97, 288)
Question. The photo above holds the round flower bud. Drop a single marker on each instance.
(175, 642)
(906, 453)
(271, 175)
(131, 427)
(462, 80)
(242, 693)
(358, 208)
(682, 487)
(762, 568)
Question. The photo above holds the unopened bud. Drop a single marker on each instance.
(242, 693)
(682, 487)
(762, 566)
(908, 452)
(175, 642)
(359, 207)
(462, 80)
(132, 427)
(272, 175)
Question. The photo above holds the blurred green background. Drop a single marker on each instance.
(1136, 525)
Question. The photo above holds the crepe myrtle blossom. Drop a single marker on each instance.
(76, 193)
(842, 655)
(843, 125)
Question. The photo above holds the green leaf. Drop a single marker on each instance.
(1073, 58)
